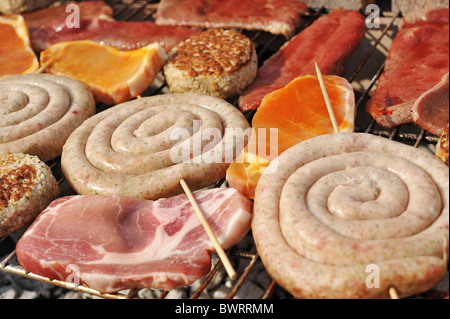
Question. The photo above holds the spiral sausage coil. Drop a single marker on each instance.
(351, 216)
(40, 111)
(143, 148)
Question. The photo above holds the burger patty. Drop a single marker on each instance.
(27, 186)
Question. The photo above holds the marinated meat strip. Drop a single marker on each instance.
(122, 35)
(274, 16)
(329, 41)
(119, 242)
(417, 61)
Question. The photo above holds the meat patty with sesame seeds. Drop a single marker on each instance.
(216, 62)
(27, 186)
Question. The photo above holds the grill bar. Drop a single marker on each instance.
(127, 10)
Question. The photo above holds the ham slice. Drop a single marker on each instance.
(122, 35)
(431, 110)
(275, 16)
(417, 61)
(116, 243)
(113, 76)
(329, 41)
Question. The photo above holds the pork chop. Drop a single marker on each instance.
(116, 243)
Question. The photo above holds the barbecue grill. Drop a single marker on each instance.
(363, 71)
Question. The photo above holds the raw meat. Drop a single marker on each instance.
(329, 41)
(275, 16)
(112, 75)
(116, 243)
(298, 112)
(335, 204)
(89, 10)
(18, 6)
(431, 110)
(417, 61)
(16, 55)
(122, 35)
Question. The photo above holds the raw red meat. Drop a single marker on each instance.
(417, 61)
(275, 16)
(89, 10)
(329, 41)
(116, 243)
(122, 35)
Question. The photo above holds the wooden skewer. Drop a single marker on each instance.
(222, 255)
(327, 100)
(393, 293)
(44, 67)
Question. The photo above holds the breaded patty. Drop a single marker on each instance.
(216, 62)
(27, 186)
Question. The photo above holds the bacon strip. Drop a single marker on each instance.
(329, 41)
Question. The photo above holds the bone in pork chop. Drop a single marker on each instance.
(116, 243)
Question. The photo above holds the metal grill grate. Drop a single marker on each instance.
(266, 44)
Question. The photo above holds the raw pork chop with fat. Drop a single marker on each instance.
(116, 243)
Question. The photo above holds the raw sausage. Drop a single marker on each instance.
(331, 209)
(39, 111)
(130, 149)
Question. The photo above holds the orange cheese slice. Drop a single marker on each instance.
(113, 76)
(16, 55)
(293, 114)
